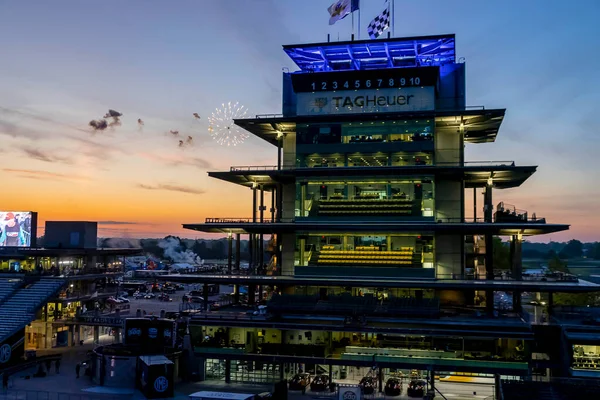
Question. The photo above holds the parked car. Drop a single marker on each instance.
(138, 295)
(393, 387)
(368, 384)
(299, 381)
(168, 289)
(123, 299)
(416, 388)
(165, 297)
(320, 383)
(196, 299)
(149, 295)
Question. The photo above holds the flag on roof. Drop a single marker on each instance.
(380, 23)
(340, 9)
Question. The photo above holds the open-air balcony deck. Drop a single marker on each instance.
(243, 225)
(506, 174)
(451, 282)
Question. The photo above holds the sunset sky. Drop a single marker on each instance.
(64, 63)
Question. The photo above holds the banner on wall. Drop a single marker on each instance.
(367, 101)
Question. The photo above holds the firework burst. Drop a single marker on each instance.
(221, 126)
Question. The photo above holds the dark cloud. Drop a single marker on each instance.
(45, 156)
(36, 174)
(171, 188)
(98, 124)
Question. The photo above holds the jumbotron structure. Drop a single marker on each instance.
(362, 248)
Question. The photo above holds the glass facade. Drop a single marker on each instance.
(586, 357)
(391, 199)
(360, 132)
(356, 159)
(356, 250)
(351, 346)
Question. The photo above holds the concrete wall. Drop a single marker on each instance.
(449, 196)
(288, 212)
(288, 242)
(289, 150)
(448, 147)
(448, 255)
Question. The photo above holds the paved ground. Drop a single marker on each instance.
(66, 382)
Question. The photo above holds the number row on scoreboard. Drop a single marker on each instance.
(365, 84)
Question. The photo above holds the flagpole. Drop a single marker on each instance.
(359, 22)
(353, 27)
(393, 18)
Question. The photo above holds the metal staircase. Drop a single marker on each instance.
(19, 309)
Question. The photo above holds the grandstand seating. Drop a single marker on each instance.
(19, 308)
(363, 255)
(366, 206)
(7, 287)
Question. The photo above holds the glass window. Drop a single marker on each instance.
(398, 198)
(363, 250)
(586, 357)
(366, 132)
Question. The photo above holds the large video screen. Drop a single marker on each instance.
(17, 228)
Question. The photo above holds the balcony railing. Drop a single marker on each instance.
(234, 220)
(504, 163)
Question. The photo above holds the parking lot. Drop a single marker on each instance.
(154, 306)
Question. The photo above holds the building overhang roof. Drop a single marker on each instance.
(346, 281)
(370, 54)
(504, 175)
(9, 252)
(420, 227)
(479, 125)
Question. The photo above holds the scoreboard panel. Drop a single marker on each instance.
(365, 80)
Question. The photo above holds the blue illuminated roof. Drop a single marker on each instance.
(373, 54)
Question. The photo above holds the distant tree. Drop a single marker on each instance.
(501, 256)
(200, 248)
(573, 249)
(557, 265)
(575, 299)
(151, 246)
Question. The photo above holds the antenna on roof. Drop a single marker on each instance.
(328, 37)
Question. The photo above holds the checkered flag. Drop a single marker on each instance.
(380, 23)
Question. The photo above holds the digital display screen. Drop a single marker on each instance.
(17, 228)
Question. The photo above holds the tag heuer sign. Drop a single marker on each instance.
(349, 395)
